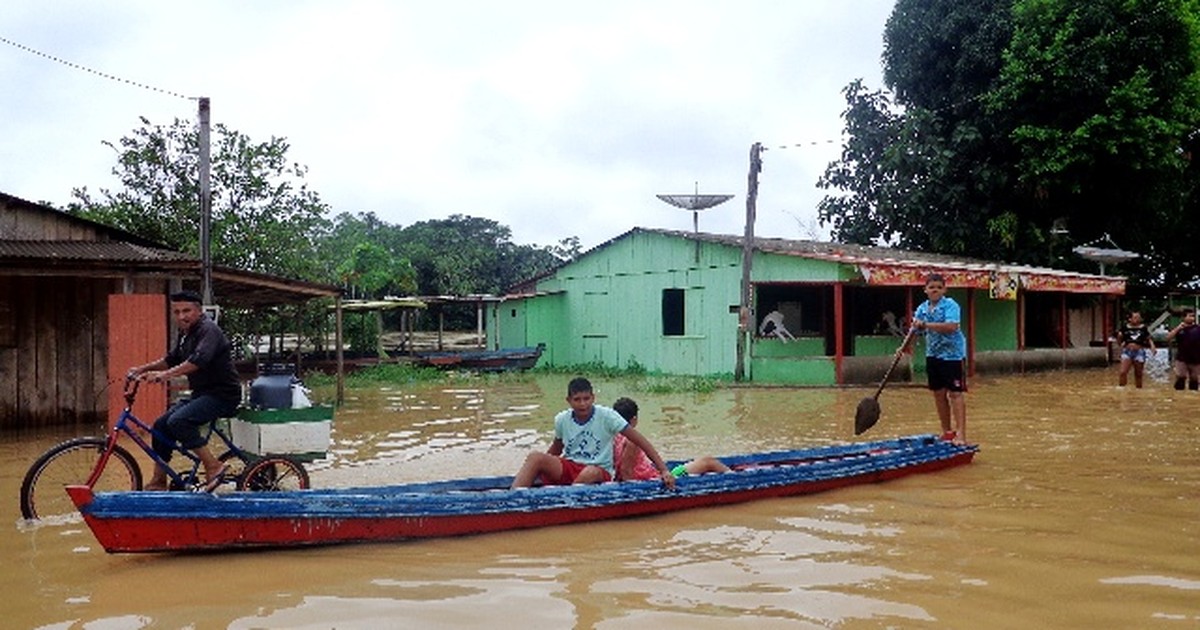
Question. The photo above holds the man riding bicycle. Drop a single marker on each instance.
(203, 354)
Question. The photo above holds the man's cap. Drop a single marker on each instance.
(187, 296)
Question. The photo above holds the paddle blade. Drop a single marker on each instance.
(867, 414)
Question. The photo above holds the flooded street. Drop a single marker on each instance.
(1082, 510)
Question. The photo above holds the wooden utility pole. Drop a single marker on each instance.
(745, 325)
(205, 206)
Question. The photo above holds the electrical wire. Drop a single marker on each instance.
(111, 77)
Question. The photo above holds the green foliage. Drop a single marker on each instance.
(1013, 116)
(676, 384)
(464, 255)
(393, 373)
(360, 330)
(264, 218)
(372, 268)
(859, 215)
(639, 379)
(1104, 96)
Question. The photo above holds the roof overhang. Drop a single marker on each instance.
(1001, 280)
(118, 260)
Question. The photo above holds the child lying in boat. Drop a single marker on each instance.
(632, 463)
(582, 451)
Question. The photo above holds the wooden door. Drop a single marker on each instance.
(137, 334)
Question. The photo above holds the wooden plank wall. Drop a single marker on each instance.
(55, 366)
(52, 370)
(19, 222)
(54, 331)
(9, 333)
(137, 334)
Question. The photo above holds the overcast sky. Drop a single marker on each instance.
(559, 118)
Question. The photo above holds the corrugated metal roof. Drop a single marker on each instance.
(863, 255)
(114, 252)
(87, 251)
(856, 254)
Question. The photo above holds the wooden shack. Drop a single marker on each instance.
(80, 302)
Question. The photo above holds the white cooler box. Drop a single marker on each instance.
(299, 433)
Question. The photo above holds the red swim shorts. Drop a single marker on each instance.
(571, 470)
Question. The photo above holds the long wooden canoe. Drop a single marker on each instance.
(180, 521)
(503, 360)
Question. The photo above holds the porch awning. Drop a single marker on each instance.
(1001, 280)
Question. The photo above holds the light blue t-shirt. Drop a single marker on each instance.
(591, 442)
(948, 346)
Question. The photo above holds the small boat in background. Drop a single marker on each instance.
(503, 360)
(187, 521)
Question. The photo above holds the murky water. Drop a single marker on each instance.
(1081, 511)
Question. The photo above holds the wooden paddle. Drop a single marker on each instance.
(868, 408)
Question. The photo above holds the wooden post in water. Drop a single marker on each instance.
(205, 205)
(744, 323)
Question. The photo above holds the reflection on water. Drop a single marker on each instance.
(1081, 511)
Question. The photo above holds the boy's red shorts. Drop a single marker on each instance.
(571, 470)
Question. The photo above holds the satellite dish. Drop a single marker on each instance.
(695, 202)
(1105, 255)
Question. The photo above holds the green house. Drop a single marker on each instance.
(671, 302)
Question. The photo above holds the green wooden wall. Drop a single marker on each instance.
(607, 307)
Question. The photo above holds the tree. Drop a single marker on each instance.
(861, 215)
(1105, 96)
(464, 255)
(922, 174)
(372, 268)
(1013, 117)
(264, 216)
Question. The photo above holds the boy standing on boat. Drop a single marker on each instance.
(938, 319)
(582, 451)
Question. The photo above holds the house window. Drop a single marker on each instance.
(672, 312)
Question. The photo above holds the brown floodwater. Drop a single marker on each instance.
(1082, 510)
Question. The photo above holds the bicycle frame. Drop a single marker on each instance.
(123, 426)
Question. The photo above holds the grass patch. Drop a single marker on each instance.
(382, 373)
(640, 379)
(666, 384)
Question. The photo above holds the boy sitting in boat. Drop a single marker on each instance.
(632, 463)
(582, 451)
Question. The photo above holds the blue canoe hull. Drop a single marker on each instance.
(176, 521)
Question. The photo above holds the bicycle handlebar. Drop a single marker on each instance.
(131, 393)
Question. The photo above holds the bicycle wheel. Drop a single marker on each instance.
(274, 473)
(238, 461)
(72, 462)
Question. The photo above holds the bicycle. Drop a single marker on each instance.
(42, 490)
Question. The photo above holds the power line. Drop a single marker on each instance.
(812, 143)
(95, 72)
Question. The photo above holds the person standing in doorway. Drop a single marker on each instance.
(939, 319)
(1187, 354)
(1135, 339)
